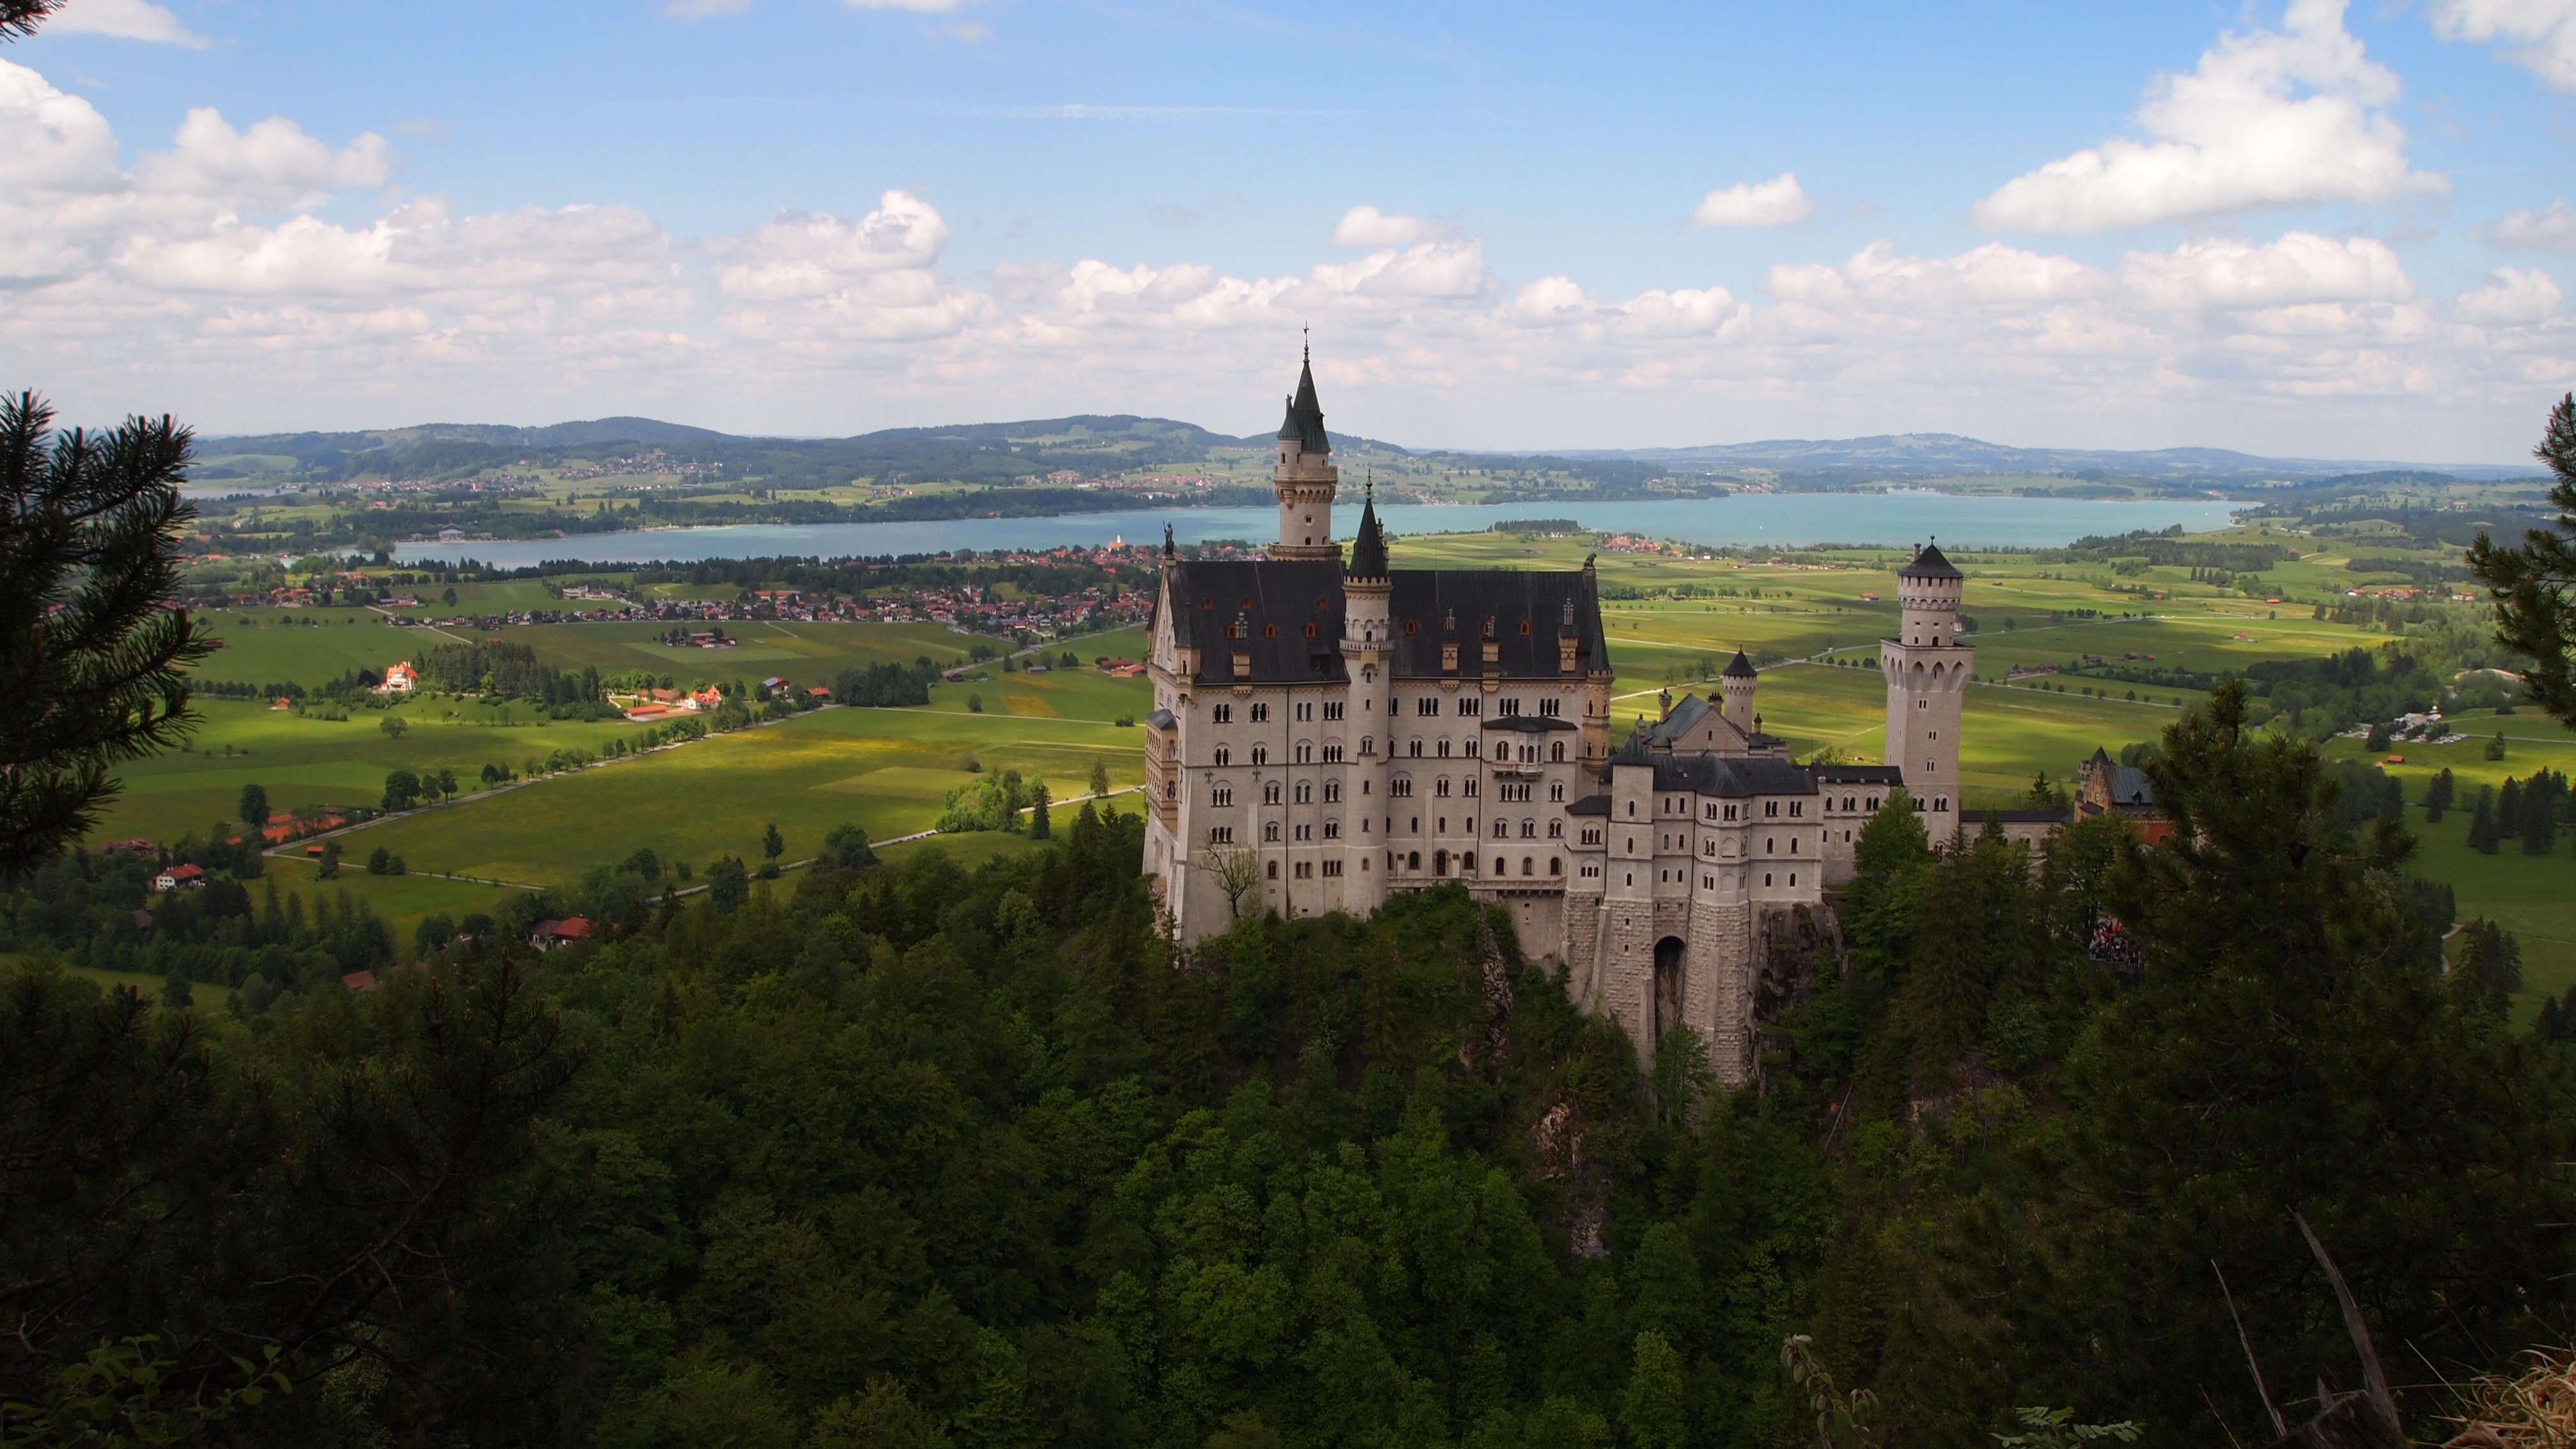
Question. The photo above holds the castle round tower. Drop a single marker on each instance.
(1928, 669)
(1304, 477)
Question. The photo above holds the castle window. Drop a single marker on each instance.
(1555, 865)
(1556, 752)
(1332, 709)
(1305, 792)
(1470, 706)
(1770, 845)
(1467, 862)
(1368, 747)
(1793, 849)
(1305, 753)
(1529, 830)
(1766, 878)
(1332, 752)
(1507, 708)
(1591, 835)
(1272, 871)
(1873, 804)
(1334, 867)
(1467, 786)
(1270, 793)
(1525, 626)
(1770, 807)
(1556, 792)
(1332, 792)
(1261, 754)
(1270, 631)
(1401, 787)
(1793, 877)
(1305, 870)
(1413, 749)
(1730, 812)
(1547, 708)
(1440, 787)
(1502, 829)
(1940, 803)
(1220, 835)
(1426, 706)
(1306, 832)
(1224, 755)
(1305, 710)
(1797, 807)
(1222, 714)
(1311, 630)
(1260, 714)
(1410, 626)
(1444, 749)
(1222, 795)
(1332, 830)
(1413, 860)
(1556, 830)
(1270, 832)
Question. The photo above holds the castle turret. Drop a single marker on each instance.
(1735, 693)
(1927, 671)
(1304, 477)
(1367, 589)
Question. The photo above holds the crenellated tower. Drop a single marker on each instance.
(1928, 670)
(1304, 477)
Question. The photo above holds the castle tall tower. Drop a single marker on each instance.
(1304, 477)
(1927, 669)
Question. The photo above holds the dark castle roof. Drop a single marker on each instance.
(1740, 667)
(1306, 415)
(1277, 600)
(1929, 564)
(1368, 550)
(1525, 606)
(1722, 775)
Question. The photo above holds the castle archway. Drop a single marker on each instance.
(1664, 1009)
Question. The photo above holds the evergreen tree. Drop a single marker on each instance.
(2495, 747)
(2377, 740)
(2487, 968)
(1039, 828)
(2508, 816)
(2483, 835)
(254, 806)
(772, 844)
(2437, 796)
(2534, 614)
(1099, 775)
(2539, 817)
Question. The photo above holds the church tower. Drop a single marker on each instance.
(1304, 477)
(1927, 669)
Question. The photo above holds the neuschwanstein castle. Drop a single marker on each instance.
(1329, 731)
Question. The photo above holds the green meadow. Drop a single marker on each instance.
(1677, 623)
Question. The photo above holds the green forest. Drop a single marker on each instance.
(891, 1153)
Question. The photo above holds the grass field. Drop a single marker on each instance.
(889, 770)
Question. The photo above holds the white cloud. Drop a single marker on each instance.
(2300, 268)
(803, 255)
(273, 162)
(53, 142)
(2550, 230)
(1776, 202)
(2540, 34)
(172, 275)
(932, 7)
(1366, 226)
(2511, 298)
(126, 20)
(701, 9)
(2268, 118)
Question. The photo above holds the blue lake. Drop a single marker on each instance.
(1782, 520)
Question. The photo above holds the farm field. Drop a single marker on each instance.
(885, 770)
(1675, 623)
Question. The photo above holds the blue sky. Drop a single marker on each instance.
(2293, 230)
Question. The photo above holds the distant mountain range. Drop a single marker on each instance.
(1936, 455)
(1005, 454)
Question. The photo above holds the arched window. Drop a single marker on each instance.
(1270, 832)
(1261, 754)
(1467, 863)
(1556, 752)
(1270, 793)
(1556, 792)
(1555, 866)
(1270, 631)
(1413, 860)
(1528, 866)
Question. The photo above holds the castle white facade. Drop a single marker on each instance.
(1328, 733)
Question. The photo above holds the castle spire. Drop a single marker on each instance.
(1368, 550)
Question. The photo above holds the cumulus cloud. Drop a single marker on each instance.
(1776, 202)
(2539, 35)
(2300, 268)
(2268, 118)
(1366, 226)
(2550, 230)
(126, 20)
(2511, 298)
(701, 9)
(273, 162)
(811, 322)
